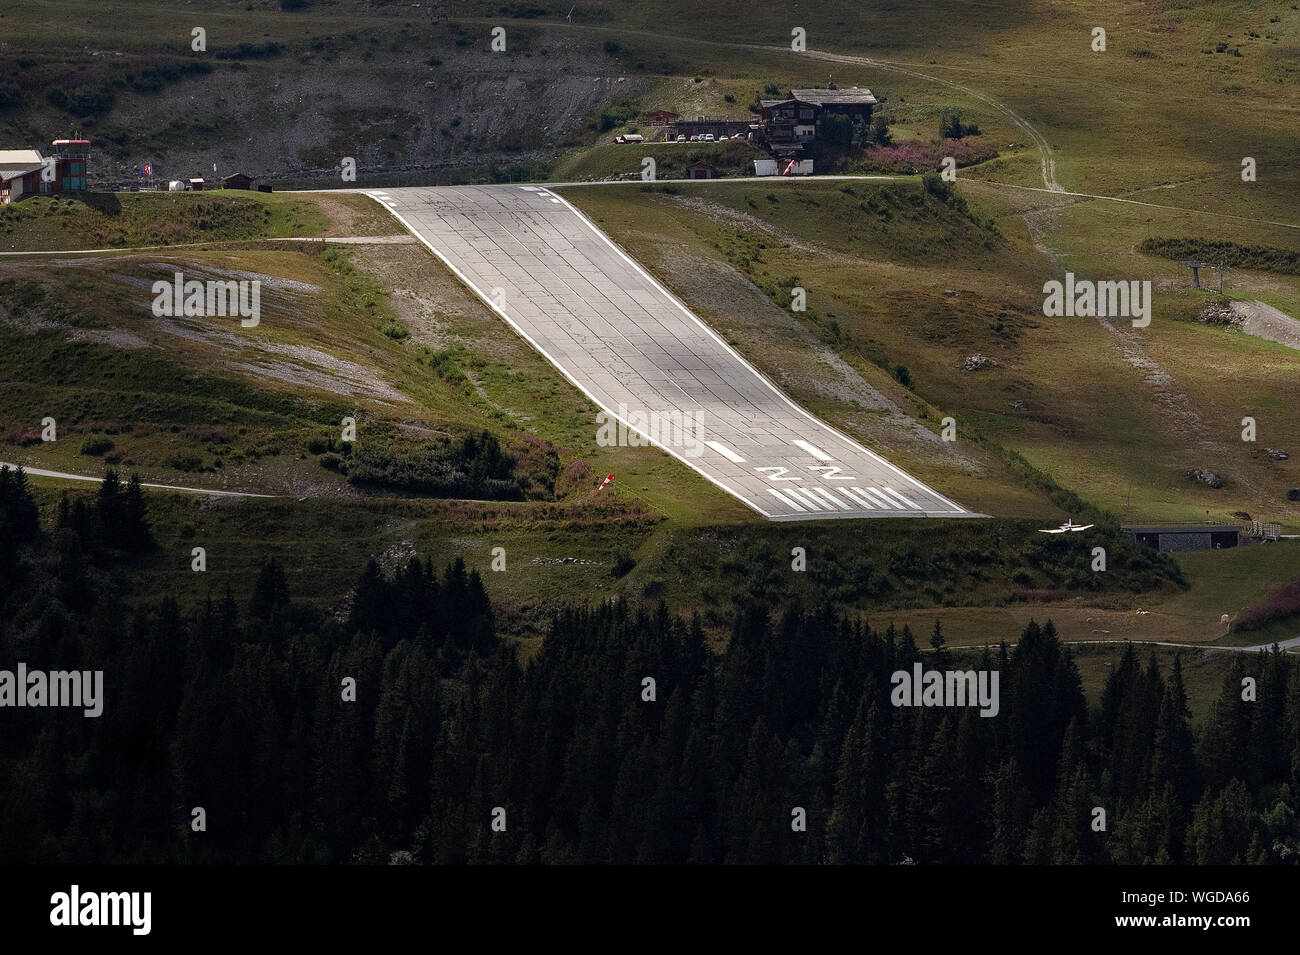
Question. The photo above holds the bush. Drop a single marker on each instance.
(1293, 494)
(83, 101)
(623, 564)
(444, 366)
(1282, 603)
(951, 127)
(319, 445)
(395, 330)
(250, 51)
(11, 97)
(96, 445)
(184, 462)
(331, 462)
(474, 467)
(837, 130)
(1262, 257)
(612, 118)
(903, 376)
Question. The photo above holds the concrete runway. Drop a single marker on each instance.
(641, 355)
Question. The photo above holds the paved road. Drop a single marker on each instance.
(41, 472)
(645, 359)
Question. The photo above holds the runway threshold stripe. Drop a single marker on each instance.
(832, 498)
(914, 506)
(862, 501)
(784, 500)
(872, 494)
(875, 498)
(809, 499)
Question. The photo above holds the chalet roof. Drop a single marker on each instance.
(768, 103)
(848, 96)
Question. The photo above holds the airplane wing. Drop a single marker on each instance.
(1055, 530)
(1082, 527)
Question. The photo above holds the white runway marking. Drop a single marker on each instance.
(783, 499)
(726, 452)
(812, 449)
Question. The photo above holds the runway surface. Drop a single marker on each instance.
(641, 355)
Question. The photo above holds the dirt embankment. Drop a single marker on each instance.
(443, 101)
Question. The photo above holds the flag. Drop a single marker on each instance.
(148, 169)
(608, 478)
(214, 167)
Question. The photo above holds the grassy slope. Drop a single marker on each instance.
(125, 220)
(924, 292)
(665, 230)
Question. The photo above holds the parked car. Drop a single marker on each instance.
(695, 138)
(630, 138)
(708, 138)
(681, 138)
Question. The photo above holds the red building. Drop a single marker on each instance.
(70, 171)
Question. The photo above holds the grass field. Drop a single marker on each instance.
(897, 278)
(107, 220)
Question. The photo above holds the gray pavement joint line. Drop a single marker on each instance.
(758, 374)
(572, 380)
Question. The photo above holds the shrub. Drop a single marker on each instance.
(444, 366)
(623, 564)
(395, 330)
(96, 445)
(11, 96)
(1282, 603)
(184, 462)
(474, 467)
(837, 130)
(951, 127)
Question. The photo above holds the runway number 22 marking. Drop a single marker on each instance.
(832, 472)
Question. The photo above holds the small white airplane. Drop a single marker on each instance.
(1066, 528)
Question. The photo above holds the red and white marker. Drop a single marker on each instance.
(608, 478)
